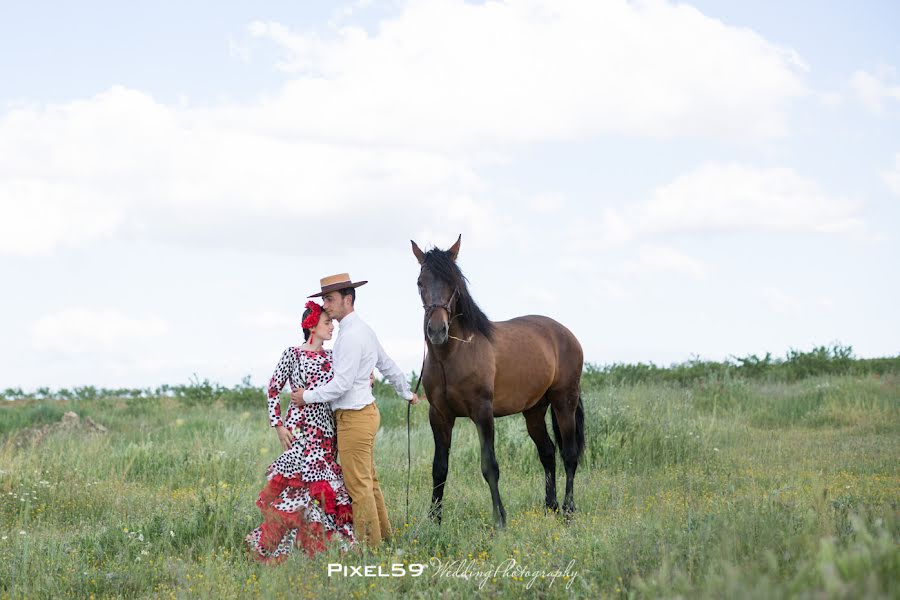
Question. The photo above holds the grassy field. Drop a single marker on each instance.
(721, 488)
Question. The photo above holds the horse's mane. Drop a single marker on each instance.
(471, 318)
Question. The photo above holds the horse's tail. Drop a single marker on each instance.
(579, 427)
(579, 430)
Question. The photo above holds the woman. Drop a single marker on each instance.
(304, 503)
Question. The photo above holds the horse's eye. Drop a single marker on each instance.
(419, 283)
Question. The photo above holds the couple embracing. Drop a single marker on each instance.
(309, 498)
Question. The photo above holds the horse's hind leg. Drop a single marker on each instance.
(568, 427)
(442, 428)
(537, 429)
(484, 422)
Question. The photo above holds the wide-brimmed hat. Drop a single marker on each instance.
(333, 283)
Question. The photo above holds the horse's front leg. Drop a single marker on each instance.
(442, 428)
(484, 422)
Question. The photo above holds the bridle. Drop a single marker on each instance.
(430, 308)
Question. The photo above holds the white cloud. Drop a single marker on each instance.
(548, 203)
(782, 302)
(37, 215)
(449, 74)
(873, 90)
(831, 99)
(270, 319)
(732, 197)
(238, 51)
(539, 296)
(892, 176)
(383, 131)
(123, 164)
(778, 301)
(668, 259)
(77, 330)
(614, 228)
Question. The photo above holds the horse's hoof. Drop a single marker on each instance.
(552, 508)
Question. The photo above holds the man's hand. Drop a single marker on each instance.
(284, 436)
(297, 397)
(415, 399)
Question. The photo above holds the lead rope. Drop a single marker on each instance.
(408, 446)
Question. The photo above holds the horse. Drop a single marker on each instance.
(481, 369)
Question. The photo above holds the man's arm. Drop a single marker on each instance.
(346, 365)
(392, 372)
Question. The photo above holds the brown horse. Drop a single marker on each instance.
(479, 369)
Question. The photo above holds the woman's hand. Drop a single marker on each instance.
(372, 379)
(297, 397)
(284, 436)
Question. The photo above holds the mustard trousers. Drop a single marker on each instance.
(356, 453)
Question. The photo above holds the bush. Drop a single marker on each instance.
(797, 365)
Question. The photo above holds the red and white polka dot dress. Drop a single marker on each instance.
(304, 503)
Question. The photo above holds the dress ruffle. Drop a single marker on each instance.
(300, 514)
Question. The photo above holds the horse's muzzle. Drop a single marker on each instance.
(438, 335)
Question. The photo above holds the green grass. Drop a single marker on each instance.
(718, 487)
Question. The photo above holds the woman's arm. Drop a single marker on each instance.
(276, 384)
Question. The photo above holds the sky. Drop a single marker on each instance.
(669, 180)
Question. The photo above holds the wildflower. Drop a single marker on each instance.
(22, 532)
(171, 533)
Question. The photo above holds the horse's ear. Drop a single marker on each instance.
(420, 256)
(454, 249)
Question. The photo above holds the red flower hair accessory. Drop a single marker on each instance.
(313, 319)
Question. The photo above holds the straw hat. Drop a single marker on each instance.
(333, 283)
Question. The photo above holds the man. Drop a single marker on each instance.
(356, 352)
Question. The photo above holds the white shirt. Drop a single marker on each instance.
(356, 352)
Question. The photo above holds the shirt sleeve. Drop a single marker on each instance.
(392, 372)
(279, 378)
(346, 364)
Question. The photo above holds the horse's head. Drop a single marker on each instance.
(440, 288)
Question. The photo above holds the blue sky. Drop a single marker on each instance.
(668, 180)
